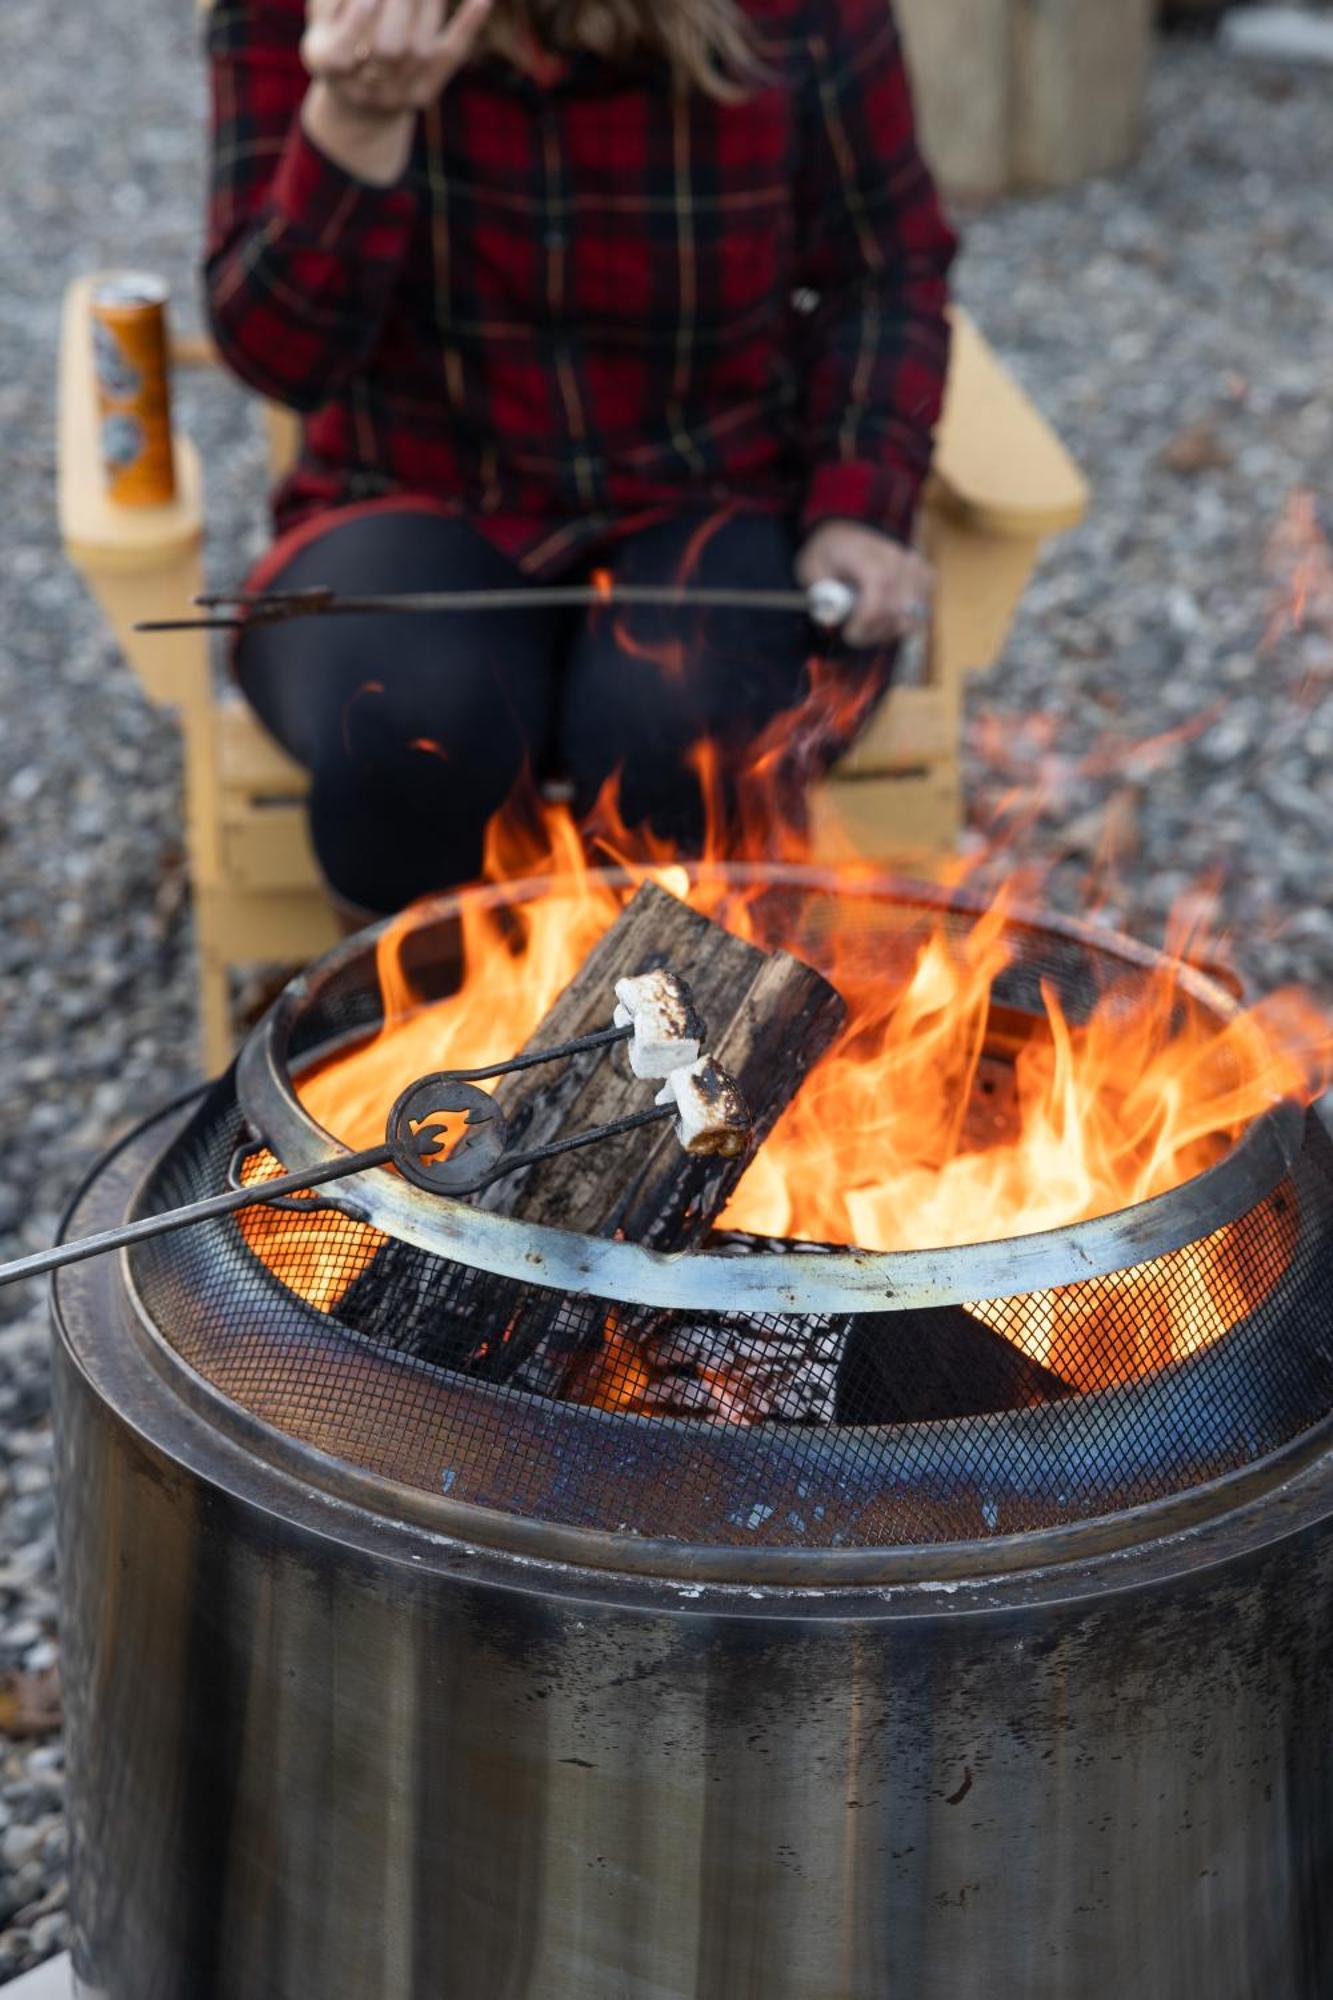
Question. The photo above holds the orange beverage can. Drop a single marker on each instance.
(134, 388)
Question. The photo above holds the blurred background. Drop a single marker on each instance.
(1148, 244)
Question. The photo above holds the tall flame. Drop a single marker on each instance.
(877, 1150)
(886, 1146)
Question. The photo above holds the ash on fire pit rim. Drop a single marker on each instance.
(851, 1281)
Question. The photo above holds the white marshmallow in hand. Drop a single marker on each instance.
(714, 1119)
(668, 1033)
(831, 603)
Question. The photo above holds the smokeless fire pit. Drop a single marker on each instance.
(769, 1622)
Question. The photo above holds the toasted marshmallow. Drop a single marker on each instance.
(714, 1118)
(831, 603)
(668, 1033)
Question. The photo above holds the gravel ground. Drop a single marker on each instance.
(1177, 325)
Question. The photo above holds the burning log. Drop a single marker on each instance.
(768, 1018)
(775, 1017)
(918, 1366)
(921, 1365)
(932, 1363)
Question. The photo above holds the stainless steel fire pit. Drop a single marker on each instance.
(390, 1674)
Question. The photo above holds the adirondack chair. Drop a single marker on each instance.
(1003, 485)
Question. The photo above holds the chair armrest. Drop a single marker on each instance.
(138, 562)
(194, 350)
(998, 464)
(99, 536)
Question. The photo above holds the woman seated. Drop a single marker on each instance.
(651, 287)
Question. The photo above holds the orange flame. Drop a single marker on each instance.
(1302, 562)
(1137, 1098)
(884, 1147)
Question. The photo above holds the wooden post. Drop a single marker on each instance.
(959, 57)
(1079, 76)
(1036, 93)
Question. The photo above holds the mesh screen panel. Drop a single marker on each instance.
(744, 1428)
(883, 1428)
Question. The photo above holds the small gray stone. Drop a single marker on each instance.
(49, 1935)
(20, 1844)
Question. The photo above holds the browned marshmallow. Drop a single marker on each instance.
(714, 1118)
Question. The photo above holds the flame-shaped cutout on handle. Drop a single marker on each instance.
(419, 1123)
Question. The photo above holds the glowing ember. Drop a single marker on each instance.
(315, 1254)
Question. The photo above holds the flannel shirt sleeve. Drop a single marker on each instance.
(302, 258)
(876, 252)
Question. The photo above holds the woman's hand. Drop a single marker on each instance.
(892, 583)
(373, 65)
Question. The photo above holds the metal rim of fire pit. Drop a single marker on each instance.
(199, 1417)
(852, 1281)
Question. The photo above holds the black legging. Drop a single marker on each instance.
(416, 729)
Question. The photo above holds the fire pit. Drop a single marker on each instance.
(461, 1605)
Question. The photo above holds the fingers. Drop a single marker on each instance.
(392, 37)
(336, 40)
(809, 566)
(869, 624)
(389, 55)
(321, 15)
(892, 600)
(890, 619)
(456, 41)
(892, 583)
(426, 26)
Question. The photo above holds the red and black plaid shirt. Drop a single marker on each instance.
(596, 298)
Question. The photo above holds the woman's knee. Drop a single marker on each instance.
(388, 677)
(415, 728)
(646, 689)
(407, 774)
(385, 836)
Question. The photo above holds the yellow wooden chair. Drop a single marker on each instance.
(1003, 484)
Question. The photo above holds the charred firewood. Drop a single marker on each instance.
(877, 1368)
(767, 1018)
(873, 1368)
(930, 1363)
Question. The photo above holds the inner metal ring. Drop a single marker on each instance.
(852, 1281)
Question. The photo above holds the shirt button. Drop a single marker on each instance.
(555, 239)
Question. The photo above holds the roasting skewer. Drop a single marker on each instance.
(828, 603)
(662, 1029)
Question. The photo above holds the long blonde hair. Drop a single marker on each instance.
(708, 43)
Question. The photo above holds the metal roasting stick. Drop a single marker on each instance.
(406, 1133)
(828, 603)
(413, 1134)
(61, 1254)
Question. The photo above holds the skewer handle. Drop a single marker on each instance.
(256, 1196)
(828, 603)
